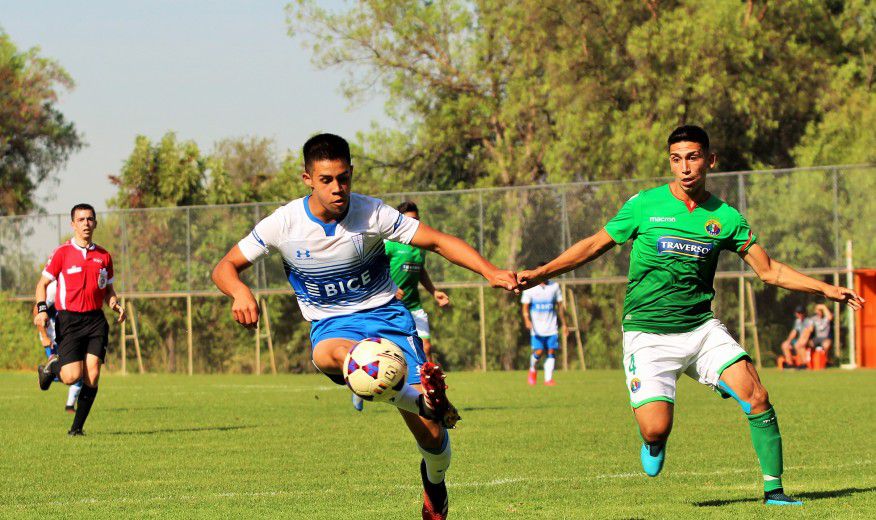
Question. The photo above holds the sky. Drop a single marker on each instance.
(204, 69)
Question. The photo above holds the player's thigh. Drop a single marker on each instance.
(538, 344)
(72, 372)
(652, 364)
(329, 354)
(716, 352)
(654, 419)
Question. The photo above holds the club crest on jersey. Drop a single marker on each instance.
(713, 227)
(635, 385)
(670, 245)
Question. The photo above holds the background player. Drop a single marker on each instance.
(678, 231)
(541, 306)
(47, 340)
(84, 272)
(407, 268)
(332, 247)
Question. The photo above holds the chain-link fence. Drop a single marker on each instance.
(163, 258)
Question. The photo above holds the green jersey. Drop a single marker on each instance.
(406, 262)
(674, 257)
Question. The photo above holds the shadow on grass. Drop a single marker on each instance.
(806, 495)
(181, 430)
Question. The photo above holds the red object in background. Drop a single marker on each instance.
(865, 320)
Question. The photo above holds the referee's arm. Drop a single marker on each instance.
(226, 276)
(41, 318)
(112, 299)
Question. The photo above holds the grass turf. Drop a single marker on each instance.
(292, 446)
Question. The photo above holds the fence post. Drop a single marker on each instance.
(189, 328)
(853, 358)
(123, 341)
(481, 222)
(837, 328)
(189, 260)
(483, 329)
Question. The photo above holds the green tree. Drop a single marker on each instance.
(35, 138)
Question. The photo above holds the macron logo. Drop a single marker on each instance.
(662, 219)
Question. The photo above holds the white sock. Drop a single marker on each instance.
(549, 368)
(73, 393)
(407, 399)
(437, 463)
(533, 360)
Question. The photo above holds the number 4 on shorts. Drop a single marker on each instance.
(632, 367)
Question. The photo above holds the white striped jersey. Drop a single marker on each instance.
(542, 311)
(338, 268)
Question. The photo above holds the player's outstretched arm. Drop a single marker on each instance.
(462, 254)
(226, 276)
(776, 273)
(580, 253)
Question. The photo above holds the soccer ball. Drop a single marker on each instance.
(375, 369)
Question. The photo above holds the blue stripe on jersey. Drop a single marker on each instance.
(341, 287)
(328, 228)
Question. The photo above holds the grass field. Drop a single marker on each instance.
(291, 446)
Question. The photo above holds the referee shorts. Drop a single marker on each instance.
(80, 333)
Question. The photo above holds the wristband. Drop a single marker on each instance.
(42, 307)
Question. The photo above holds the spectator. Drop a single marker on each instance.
(798, 339)
(822, 329)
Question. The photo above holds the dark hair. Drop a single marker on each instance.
(82, 205)
(325, 147)
(691, 133)
(407, 206)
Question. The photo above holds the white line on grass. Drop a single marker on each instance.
(452, 485)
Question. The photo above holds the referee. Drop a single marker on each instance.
(84, 272)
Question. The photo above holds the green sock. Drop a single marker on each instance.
(768, 446)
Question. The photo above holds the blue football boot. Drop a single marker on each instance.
(779, 498)
(652, 458)
(358, 403)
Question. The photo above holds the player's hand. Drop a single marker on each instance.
(245, 309)
(399, 294)
(117, 307)
(442, 299)
(529, 278)
(41, 319)
(528, 325)
(845, 295)
(503, 279)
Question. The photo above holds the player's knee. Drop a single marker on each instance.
(538, 353)
(655, 431)
(759, 398)
(68, 378)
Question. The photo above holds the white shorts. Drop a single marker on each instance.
(654, 362)
(421, 321)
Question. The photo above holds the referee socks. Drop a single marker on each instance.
(86, 399)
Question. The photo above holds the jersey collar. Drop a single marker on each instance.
(329, 227)
(691, 205)
(90, 246)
